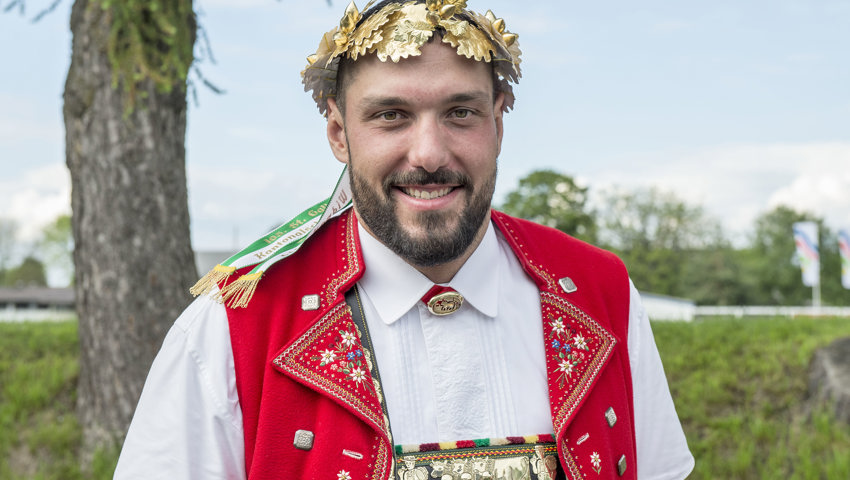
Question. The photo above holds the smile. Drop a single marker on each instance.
(426, 194)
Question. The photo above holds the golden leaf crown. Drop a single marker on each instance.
(398, 30)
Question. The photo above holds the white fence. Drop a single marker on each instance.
(764, 311)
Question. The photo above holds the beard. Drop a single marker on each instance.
(377, 210)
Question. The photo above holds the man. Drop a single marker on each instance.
(529, 355)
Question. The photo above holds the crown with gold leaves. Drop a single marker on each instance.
(398, 30)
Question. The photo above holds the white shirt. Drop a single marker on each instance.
(453, 370)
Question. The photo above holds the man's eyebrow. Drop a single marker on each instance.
(473, 96)
(382, 102)
(378, 101)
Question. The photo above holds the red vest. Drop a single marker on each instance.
(290, 377)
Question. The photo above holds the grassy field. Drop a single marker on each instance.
(739, 386)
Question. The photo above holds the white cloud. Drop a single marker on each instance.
(826, 194)
(36, 198)
(736, 183)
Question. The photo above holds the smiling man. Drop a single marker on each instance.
(419, 334)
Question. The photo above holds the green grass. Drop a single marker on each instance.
(739, 387)
(39, 432)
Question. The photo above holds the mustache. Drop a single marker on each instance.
(423, 177)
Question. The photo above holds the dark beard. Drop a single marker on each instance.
(440, 246)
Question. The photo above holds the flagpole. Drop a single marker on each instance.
(816, 295)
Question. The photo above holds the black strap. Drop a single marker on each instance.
(352, 298)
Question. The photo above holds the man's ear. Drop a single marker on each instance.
(336, 132)
(497, 115)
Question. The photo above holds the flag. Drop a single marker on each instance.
(844, 249)
(806, 239)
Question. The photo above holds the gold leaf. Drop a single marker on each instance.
(447, 11)
(370, 31)
(349, 19)
(499, 25)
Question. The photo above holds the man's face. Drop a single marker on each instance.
(421, 139)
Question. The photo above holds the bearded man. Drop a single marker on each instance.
(419, 333)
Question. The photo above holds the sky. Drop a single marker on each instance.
(736, 106)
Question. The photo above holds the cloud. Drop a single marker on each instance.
(736, 183)
(36, 198)
(826, 194)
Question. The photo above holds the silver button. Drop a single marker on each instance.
(303, 440)
(567, 284)
(610, 416)
(310, 302)
(621, 466)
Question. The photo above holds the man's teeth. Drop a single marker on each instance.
(426, 194)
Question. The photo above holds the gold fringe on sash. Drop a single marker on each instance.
(208, 282)
(239, 293)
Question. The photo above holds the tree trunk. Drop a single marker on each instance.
(133, 258)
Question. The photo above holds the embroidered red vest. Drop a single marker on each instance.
(294, 346)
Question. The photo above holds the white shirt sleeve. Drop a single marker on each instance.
(188, 423)
(662, 450)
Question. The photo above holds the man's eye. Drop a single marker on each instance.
(389, 116)
(461, 113)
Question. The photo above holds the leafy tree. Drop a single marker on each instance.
(657, 235)
(56, 246)
(30, 273)
(553, 199)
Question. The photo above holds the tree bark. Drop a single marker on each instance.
(133, 258)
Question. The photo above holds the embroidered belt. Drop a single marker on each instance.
(525, 461)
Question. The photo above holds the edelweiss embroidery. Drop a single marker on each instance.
(568, 355)
(596, 462)
(344, 355)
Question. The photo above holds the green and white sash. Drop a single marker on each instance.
(271, 248)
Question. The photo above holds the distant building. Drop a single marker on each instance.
(19, 304)
(35, 303)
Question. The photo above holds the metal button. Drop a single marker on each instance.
(610, 416)
(621, 466)
(567, 284)
(303, 440)
(310, 302)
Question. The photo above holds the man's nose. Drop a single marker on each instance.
(430, 148)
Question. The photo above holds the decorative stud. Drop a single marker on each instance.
(611, 417)
(621, 466)
(310, 302)
(303, 440)
(567, 284)
(583, 439)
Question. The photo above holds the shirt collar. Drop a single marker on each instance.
(394, 286)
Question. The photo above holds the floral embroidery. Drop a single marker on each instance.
(343, 475)
(569, 348)
(580, 342)
(345, 356)
(558, 326)
(328, 356)
(596, 462)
